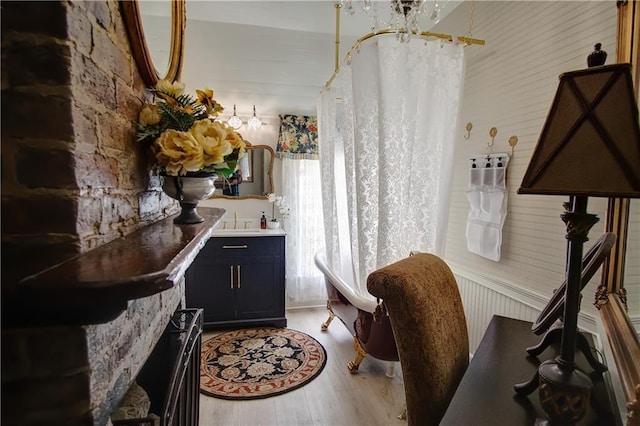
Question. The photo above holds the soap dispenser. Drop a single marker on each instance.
(263, 221)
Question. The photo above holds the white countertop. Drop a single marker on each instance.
(252, 232)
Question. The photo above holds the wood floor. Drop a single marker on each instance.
(335, 397)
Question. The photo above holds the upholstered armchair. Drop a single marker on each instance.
(424, 305)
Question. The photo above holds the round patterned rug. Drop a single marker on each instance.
(259, 362)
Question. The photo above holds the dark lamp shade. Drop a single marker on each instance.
(590, 142)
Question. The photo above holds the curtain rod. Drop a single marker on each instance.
(338, 6)
(424, 34)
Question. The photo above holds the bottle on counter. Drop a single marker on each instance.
(263, 221)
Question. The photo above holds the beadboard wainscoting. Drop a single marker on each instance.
(484, 297)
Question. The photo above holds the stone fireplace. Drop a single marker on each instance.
(73, 180)
(77, 375)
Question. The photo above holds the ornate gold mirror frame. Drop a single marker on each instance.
(268, 179)
(622, 339)
(133, 21)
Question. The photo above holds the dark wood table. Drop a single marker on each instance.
(485, 395)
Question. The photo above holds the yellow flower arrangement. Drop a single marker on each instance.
(183, 134)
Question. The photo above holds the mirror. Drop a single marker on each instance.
(148, 26)
(632, 260)
(620, 276)
(254, 178)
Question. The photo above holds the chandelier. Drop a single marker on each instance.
(405, 17)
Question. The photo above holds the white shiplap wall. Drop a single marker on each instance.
(510, 84)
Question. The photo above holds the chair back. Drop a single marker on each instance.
(424, 305)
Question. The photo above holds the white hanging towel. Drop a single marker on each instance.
(487, 196)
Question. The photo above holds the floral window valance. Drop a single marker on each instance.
(298, 137)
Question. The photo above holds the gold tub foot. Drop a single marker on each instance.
(403, 415)
(325, 324)
(360, 354)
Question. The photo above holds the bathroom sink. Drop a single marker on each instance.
(245, 226)
(247, 232)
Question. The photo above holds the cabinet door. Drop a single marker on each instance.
(260, 291)
(210, 284)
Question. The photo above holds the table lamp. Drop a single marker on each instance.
(589, 146)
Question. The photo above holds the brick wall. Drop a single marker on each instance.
(77, 375)
(72, 180)
(118, 350)
(72, 175)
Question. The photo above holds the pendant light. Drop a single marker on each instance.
(254, 122)
(235, 121)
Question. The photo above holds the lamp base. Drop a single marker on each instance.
(554, 335)
(564, 392)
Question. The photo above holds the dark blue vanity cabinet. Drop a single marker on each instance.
(239, 281)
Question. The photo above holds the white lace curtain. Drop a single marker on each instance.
(305, 234)
(386, 129)
(298, 147)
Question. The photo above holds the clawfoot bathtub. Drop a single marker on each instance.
(371, 336)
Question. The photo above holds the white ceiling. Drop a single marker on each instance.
(316, 16)
(274, 54)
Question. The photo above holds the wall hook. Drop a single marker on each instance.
(468, 127)
(492, 132)
(513, 141)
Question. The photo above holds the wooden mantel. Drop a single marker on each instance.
(95, 287)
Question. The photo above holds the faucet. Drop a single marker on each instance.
(235, 220)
